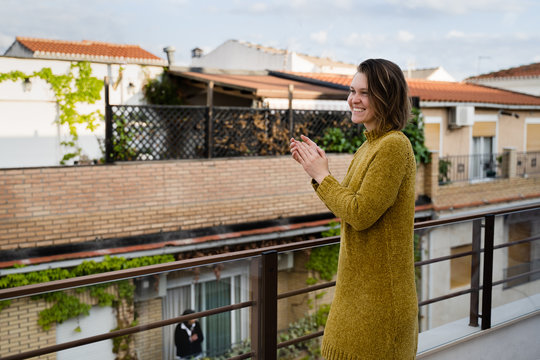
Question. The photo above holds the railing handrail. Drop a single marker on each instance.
(34, 289)
(264, 302)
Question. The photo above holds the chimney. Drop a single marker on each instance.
(169, 50)
(196, 53)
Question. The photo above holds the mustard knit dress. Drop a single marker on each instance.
(374, 310)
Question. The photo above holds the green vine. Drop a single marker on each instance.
(339, 141)
(65, 306)
(335, 140)
(415, 132)
(324, 259)
(163, 91)
(76, 87)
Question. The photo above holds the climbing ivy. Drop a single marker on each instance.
(66, 305)
(77, 86)
(336, 140)
(324, 259)
(415, 132)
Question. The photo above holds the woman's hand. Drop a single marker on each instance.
(312, 158)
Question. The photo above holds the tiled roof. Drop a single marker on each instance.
(87, 50)
(442, 91)
(463, 92)
(531, 70)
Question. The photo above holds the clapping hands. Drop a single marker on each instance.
(312, 158)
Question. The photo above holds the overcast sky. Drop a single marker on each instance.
(465, 37)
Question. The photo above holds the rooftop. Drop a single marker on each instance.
(435, 91)
(84, 50)
(524, 71)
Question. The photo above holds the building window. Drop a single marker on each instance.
(460, 268)
(519, 255)
(221, 331)
(483, 162)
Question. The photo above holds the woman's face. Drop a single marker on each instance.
(359, 102)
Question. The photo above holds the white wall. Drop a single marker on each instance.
(101, 320)
(29, 135)
(527, 86)
(233, 55)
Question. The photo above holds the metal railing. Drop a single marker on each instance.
(469, 167)
(265, 296)
(161, 132)
(528, 163)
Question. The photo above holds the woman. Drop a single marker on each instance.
(374, 311)
(188, 337)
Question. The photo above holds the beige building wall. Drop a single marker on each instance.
(511, 133)
(517, 129)
(437, 277)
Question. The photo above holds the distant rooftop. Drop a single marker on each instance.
(321, 61)
(524, 71)
(81, 50)
(434, 91)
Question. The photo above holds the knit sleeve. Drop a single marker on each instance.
(378, 190)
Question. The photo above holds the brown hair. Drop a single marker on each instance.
(388, 94)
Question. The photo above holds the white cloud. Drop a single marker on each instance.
(298, 3)
(454, 34)
(5, 42)
(320, 37)
(464, 6)
(366, 40)
(258, 7)
(405, 36)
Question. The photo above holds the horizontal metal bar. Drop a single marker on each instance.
(512, 243)
(306, 290)
(300, 339)
(443, 258)
(444, 297)
(126, 331)
(511, 278)
(432, 223)
(65, 284)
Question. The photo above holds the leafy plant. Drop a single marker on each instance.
(415, 132)
(66, 306)
(125, 134)
(162, 91)
(335, 140)
(76, 87)
(444, 168)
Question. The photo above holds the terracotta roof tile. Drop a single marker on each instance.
(531, 70)
(442, 91)
(91, 49)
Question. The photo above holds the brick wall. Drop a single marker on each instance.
(19, 329)
(149, 344)
(463, 194)
(59, 205)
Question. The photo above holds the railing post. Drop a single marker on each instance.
(475, 272)
(108, 124)
(268, 307)
(210, 119)
(489, 234)
(291, 114)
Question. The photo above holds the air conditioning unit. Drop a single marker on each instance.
(462, 115)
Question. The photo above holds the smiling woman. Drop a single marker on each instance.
(374, 310)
